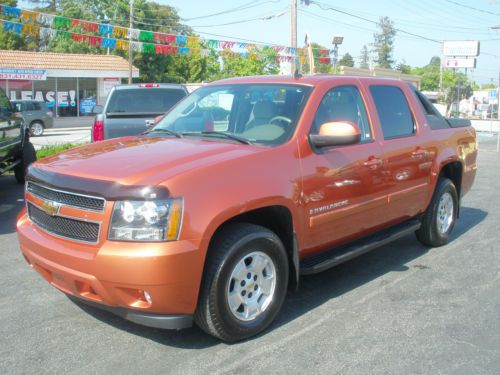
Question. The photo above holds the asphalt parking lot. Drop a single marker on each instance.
(401, 309)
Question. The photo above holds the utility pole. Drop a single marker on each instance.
(293, 65)
(130, 42)
(310, 54)
(441, 72)
(498, 106)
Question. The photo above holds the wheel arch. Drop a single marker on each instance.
(453, 170)
(279, 220)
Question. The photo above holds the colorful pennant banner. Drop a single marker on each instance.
(33, 23)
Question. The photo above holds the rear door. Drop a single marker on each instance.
(343, 186)
(407, 160)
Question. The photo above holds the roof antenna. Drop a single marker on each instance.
(296, 74)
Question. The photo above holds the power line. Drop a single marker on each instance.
(262, 17)
(231, 10)
(326, 7)
(472, 8)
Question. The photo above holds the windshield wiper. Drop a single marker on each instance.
(160, 130)
(227, 135)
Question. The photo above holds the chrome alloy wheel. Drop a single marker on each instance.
(251, 286)
(36, 129)
(445, 213)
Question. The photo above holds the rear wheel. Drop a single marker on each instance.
(28, 156)
(244, 283)
(36, 129)
(439, 219)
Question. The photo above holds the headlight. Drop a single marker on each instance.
(148, 221)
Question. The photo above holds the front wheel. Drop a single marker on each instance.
(244, 283)
(439, 219)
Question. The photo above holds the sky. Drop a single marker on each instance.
(433, 19)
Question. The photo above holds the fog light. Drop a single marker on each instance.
(148, 297)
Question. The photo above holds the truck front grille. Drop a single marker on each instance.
(64, 227)
(85, 202)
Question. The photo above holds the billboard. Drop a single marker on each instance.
(461, 48)
(459, 62)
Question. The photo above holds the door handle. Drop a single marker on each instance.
(373, 163)
(420, 154)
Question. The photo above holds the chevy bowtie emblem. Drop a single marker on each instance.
(51, 208)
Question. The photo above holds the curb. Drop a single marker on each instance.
(52, 130)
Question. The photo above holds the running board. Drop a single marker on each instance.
(9, 167)
(330, 258)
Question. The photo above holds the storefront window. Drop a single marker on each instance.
(20, 90)
(45, 91)
(88, 95)
(66, 97)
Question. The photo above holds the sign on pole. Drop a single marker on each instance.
(459, 62)
(461, 48)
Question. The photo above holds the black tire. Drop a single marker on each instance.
(429, 233)
(28, 156)
(36, 128)
(229, 247)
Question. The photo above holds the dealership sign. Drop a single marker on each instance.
(23, 74)
(461, 48)
(459, 62)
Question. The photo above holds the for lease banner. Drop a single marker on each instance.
(23, 74)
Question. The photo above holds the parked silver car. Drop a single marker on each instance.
(36, 114)
(130, 109)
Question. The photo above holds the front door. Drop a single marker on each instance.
(343, 186)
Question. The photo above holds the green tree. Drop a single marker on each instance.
(383, 43)
(430, 74)
(364, 59)
(264, 63)
(488, 86)
(403, 67)
(346, 60)
(149, 16)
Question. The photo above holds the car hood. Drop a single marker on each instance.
(143, 160)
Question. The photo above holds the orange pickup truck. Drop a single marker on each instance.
(246, 184)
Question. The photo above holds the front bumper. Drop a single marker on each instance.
(114, 275)
(145, 319)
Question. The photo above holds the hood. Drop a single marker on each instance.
(142, 160)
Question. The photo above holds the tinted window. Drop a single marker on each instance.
(434, 118)
(147, 100)
(393, 111)
(29, 106)
(343, 104)
(37, 106)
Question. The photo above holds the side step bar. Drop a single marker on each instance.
(330, 258)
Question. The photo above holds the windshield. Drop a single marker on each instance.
(258, 113)
(144, 100)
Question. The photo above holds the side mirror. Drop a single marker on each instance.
(337, 133)
(97, 109)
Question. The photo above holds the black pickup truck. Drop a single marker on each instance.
(16, 151)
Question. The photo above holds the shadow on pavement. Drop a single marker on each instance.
(313, 291)
(11, 202)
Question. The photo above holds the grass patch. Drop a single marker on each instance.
(51, 150)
